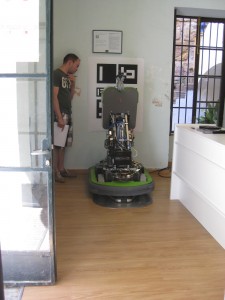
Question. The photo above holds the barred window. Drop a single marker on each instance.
(197, 92)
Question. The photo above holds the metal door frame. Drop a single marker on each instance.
(48, 76)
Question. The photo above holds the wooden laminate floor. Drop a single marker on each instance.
(158, 252)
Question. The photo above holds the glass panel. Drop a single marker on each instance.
(211, 50)
(24, 113)
(24, 224)
(185, 116)
(175, 119)
(23, 37)
(184, 61)
(217, 69)
(212, 34)
(193, 33)
(181, 116)
(178, 54)
(186, 31)
(210, 62)
(209, 89)
(190, 93)
(191, 61)
(180, 88)
(26, 206)
(189, 116)
(179, 31)
(205, 34)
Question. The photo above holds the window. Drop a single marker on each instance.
(197, 91)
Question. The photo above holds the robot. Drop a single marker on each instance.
(118, 180)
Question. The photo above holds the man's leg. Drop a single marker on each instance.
(61, 155)
(58, 156)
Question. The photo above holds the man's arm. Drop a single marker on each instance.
(72, 79)
(56, 107)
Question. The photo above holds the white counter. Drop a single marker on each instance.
(198, 177)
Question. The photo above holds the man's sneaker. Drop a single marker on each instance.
(59, 178)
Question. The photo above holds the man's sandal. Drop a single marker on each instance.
(65, 173)
(59, 178)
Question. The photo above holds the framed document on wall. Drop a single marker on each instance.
(107, 41)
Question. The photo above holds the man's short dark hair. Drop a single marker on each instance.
(70, 56)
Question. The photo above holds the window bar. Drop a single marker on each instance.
(188, 65)
(200, 83)
(209, 47)
(214, 89)
(173, 74)
(193, 83)
(173, 94)
(201, 43)
(196, 73)
(204, 75)
(222, 89)
(181, 67)
(215, 69)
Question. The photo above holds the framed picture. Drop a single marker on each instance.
(107, 41)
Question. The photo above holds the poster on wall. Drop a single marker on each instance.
(102, 74)
(107, 41)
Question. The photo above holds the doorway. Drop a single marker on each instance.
(27, 225)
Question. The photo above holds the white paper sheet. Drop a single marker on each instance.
(60, 135)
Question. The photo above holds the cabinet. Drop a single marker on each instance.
(198, 177)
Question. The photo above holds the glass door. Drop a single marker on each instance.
(26, 198)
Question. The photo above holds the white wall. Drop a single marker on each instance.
(147, 27)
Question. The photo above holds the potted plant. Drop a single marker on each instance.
(210, 115)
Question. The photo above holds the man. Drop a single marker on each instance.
(63, 92)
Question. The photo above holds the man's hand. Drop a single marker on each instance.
(61, 123)
(72, 79)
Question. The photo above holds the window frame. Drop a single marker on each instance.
(196, 76)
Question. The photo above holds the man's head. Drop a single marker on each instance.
(72, 62)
